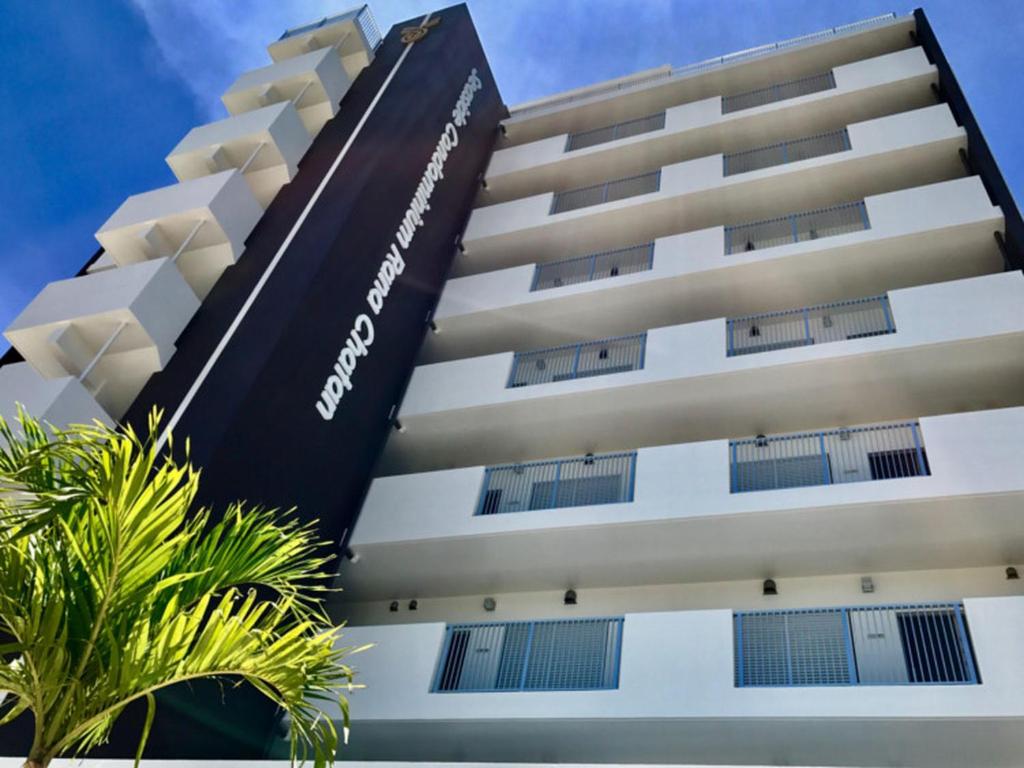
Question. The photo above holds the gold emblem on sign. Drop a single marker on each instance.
(415, 34)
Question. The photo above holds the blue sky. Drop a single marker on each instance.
(96, 92)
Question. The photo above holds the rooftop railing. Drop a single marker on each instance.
(847, 455)
(785, 152)
(708, 64)
(362, 15)
(797, 227)
(622, 130)
(578, 361)
(924, 644)
(596, 266)
(789, 89)
(618, 189)
(577, 482)
(820, 324)
(556, 655)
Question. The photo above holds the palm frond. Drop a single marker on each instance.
(112, 588)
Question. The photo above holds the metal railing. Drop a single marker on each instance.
(368, 24)
(786, 152)
(820, 324)
(596, 266)
(689, 70)
(847, 455)
(618, 189)
(556, 655)
(578, 482)
(622, 130)
(362, 15)
(925, 644)
(778, 92)
(797, 227)
(578, 361)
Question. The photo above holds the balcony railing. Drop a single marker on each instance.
(623, 130)
(820, 324)
(849, 455)
(362, 15)
(797, 227)
(877, 645)
(698, 67)
(578, 361)
(560, 655)
(778, 92)
(786, 152)
(619, 189)
(578, 482)
(596, 266)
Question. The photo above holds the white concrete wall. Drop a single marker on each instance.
(277, 124)
(56, 401)
(892, 215)
(969, 454)
(945, 585)
(962, 309)
(288, 78)
(850, 78)
(158, 223)
(869, 140)
(879, 70)
(151, 296)
(269, 142)
(69, 320)
(680, 665)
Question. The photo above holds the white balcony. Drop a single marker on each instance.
(110, 330)
(200, 225)
(864, 90)
(916, 236)
(55, 401)
(676, 700)
(314, 83)
(266, 145)
(345, 33)
(893, 152)
(648, 92)
(685, 513)
(955, 345)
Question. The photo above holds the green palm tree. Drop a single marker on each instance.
(112, 588)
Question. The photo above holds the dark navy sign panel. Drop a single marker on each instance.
(254, 425)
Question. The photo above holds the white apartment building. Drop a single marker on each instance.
(697, 444)
(712, 455)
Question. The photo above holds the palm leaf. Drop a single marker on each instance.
(113, 587)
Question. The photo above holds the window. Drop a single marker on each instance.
(578, 491)
(931, 647)
(492, 502)
(902, 462)
(789, 472)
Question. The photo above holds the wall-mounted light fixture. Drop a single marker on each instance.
(393, 607)
(490, 603)
(1011, 573)
(769, 588)
(413, 605)
(867, 585)
(570, 597)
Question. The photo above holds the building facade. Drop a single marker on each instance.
(675, 419)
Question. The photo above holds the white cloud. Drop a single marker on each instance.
(208, 44)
